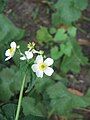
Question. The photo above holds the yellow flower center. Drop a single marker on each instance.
(31, 45)
(42, 66)
(12, 50)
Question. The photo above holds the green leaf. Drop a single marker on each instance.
(68, 11)
(43, 83)
(9, 111)
(8, 31)
(2, 52)
(63, 102)
(43, 35)
(56, 19)
(77, 51)
(74, 58)
(31, 117)
(2, 5)
(66, 48)
(60, 35)
(53, 30)
(72, 31)
(70, 64)
(2, 117)
(70, 14)
(55, 53)
(11, 80)
(31, 107)
(5, 80)
(88, 93)
(15, 85)
(57, 77)
(81, 4)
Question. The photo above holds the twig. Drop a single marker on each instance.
(84, 42)
(86, 18)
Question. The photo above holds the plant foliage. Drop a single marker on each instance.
(68, 11)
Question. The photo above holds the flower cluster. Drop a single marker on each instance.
(40, 65)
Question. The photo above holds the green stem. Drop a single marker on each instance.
(50, 113)
(20, 98)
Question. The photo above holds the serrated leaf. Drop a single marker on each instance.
(68, 11)
(15, 85)
(9, 111)
(70, 14)
(62, 101)
(2, 117)
(31, 107)
(53, 30)
(72, 31)
(5, 80)
(60, 35)
(2, 5)
(76, 58)
(81, 4)
(56, 19)
(43, 35)
(31, 117)
(55, 53)
(70, 63)
(59, 78)
(43, 83)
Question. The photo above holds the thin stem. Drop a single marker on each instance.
(80, 29)
(86, 18)
(20, 98)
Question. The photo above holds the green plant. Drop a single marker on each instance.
(8, 32)
(68, 11)
(3, 4)
(25, 92)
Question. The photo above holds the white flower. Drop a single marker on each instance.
(28, 55)
(11, 51)
(40, 67)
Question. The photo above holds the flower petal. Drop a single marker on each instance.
(39, 74)
(7, 53)
(13, 45)
(34, 67)
(39, 59)
(49, 71)
(35, 51)
(28, 54)
(48, 61)
(23, 58)
(8, 58)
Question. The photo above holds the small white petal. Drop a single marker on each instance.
(8, 58)
(35, 67)
(48, 61)
(35, 51)
(39, 74)
(13, 45)
(23, 58)
(7, 53)
(49, 71)
(28, 54)
(39, 59)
